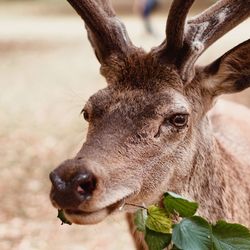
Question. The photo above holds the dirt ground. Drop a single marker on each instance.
(47, 72)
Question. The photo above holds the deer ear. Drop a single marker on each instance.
(230, 73)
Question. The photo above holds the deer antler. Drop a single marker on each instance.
(176, 24)
(106, 33)
(203, 30)
(186, 42)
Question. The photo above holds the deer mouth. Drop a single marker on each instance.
(84, 218)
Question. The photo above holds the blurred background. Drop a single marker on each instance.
(47, 72)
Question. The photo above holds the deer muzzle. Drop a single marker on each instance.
(69, 191)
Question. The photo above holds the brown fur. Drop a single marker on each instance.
(133, 148)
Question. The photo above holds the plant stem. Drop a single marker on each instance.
(133, 205)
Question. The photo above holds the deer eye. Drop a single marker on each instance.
(179, 120)
(85, 115)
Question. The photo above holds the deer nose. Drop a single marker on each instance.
(85, 184)
(71, 193)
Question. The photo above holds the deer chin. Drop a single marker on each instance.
(87, 218)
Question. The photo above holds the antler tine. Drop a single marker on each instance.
(208, 27)
(176, 24)
(106, 33)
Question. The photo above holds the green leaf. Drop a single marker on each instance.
(158, 220)
(175, 203)
(156, 240)
(228, 236)
(62, 217)
(140, 219)
(192, 233)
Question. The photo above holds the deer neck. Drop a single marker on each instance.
(215, 180)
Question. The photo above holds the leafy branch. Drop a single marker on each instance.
(176, 226)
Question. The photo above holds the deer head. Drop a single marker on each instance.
(147, 125)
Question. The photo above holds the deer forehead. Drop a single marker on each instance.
(140, 70)
(132, 102)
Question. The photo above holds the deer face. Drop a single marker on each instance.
(140, 138)
(144, 128)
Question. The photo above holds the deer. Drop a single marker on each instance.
(158, 125)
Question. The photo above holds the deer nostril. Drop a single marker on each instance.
(85, 184)
(57, 182)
